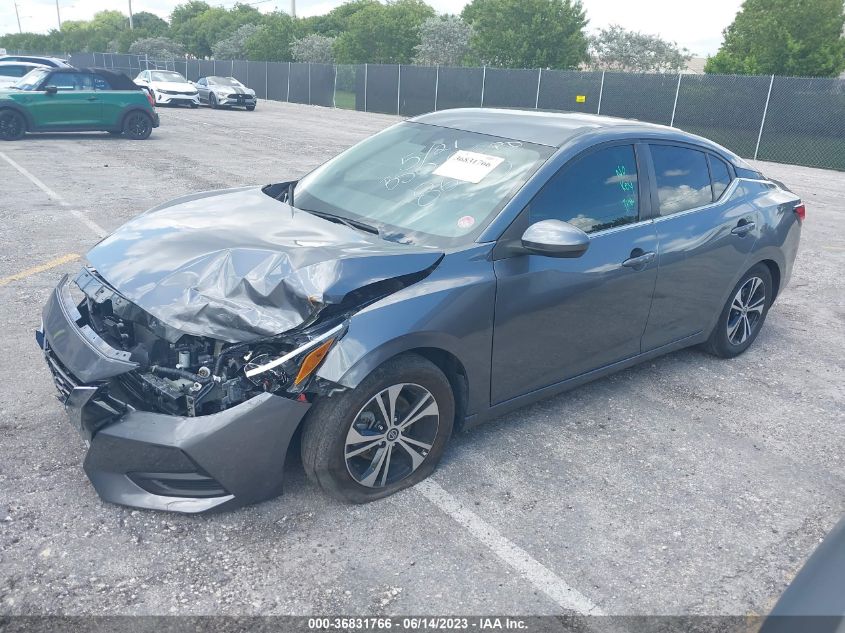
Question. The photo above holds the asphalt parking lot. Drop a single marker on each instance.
(687, 485)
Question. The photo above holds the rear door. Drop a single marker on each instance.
(74, 104)
(705, 229)
(558, 318)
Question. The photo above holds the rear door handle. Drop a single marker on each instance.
(743, 228)
(639, 260)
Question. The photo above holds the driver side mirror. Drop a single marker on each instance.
(51, 90)
(554, 238)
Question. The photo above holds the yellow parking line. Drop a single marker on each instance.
(64, 259)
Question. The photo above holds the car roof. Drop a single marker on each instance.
(30, 58)
(556, 129)
(4, 62)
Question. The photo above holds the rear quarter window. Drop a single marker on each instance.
(720, 175)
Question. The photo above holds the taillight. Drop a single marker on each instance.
(150, 98)
(800, 211)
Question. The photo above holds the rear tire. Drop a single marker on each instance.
(137, 126)
(356, 455)
(12, 125)
(743, 316)
(194, 106)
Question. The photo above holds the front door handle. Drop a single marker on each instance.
(92, 98)
(743, 228)
(638, 259)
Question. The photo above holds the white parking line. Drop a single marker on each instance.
(532, 570)
(79, 215)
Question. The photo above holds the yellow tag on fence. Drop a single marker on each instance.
(580, 98)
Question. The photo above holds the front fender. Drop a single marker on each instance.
(451, 310)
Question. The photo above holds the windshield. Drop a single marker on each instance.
(167, 76)
(32, 79)
(422, 184)
(225, 81)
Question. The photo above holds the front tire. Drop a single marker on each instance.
(137, 126)
(383, 436)
(212, 101)
(12, 125)
(743, 316)
(250, 108)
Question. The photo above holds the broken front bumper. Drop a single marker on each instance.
(158, 461)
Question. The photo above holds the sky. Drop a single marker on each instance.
(696, 25)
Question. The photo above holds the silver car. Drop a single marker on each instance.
(225, 92)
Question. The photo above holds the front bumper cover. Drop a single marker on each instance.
(158, 461)
(165, 99)
(236, 100)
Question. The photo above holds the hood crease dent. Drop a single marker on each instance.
(238, 265)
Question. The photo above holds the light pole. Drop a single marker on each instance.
(293, 8)
(131, 23)
(58, 15)
(18, 16)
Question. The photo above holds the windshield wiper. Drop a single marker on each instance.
(354, 224)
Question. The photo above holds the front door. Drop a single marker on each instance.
(74, 104)
(558, 318)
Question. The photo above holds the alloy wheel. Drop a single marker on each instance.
(746, 310)
(391, 435)
(137, 125)
(11, 125)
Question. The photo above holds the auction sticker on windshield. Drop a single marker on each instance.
(468, 166)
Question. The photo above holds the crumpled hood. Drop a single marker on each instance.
(238, 265)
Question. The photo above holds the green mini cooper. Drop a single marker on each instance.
(71, 100)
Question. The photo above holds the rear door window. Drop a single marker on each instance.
(683, 178)
(100, 82)
(720, 175)
(595, 192)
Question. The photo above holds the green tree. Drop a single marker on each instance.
(198, 26)
(528, 33)
(234, 46)
(157, 48)
(272, 41)
(383, 33)
(314, 48)
(335, 21)
(616, 48)
(783, 37)
(147, 25)
(444, 41)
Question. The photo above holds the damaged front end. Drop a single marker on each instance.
(186, 351)
(190, 424)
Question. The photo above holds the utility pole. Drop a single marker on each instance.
(131, 24)
(18, 16)
(58, 15)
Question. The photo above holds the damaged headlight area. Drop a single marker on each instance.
(183, 374)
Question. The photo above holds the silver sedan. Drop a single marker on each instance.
(225, 92)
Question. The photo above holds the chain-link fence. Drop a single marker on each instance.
(783, 119)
